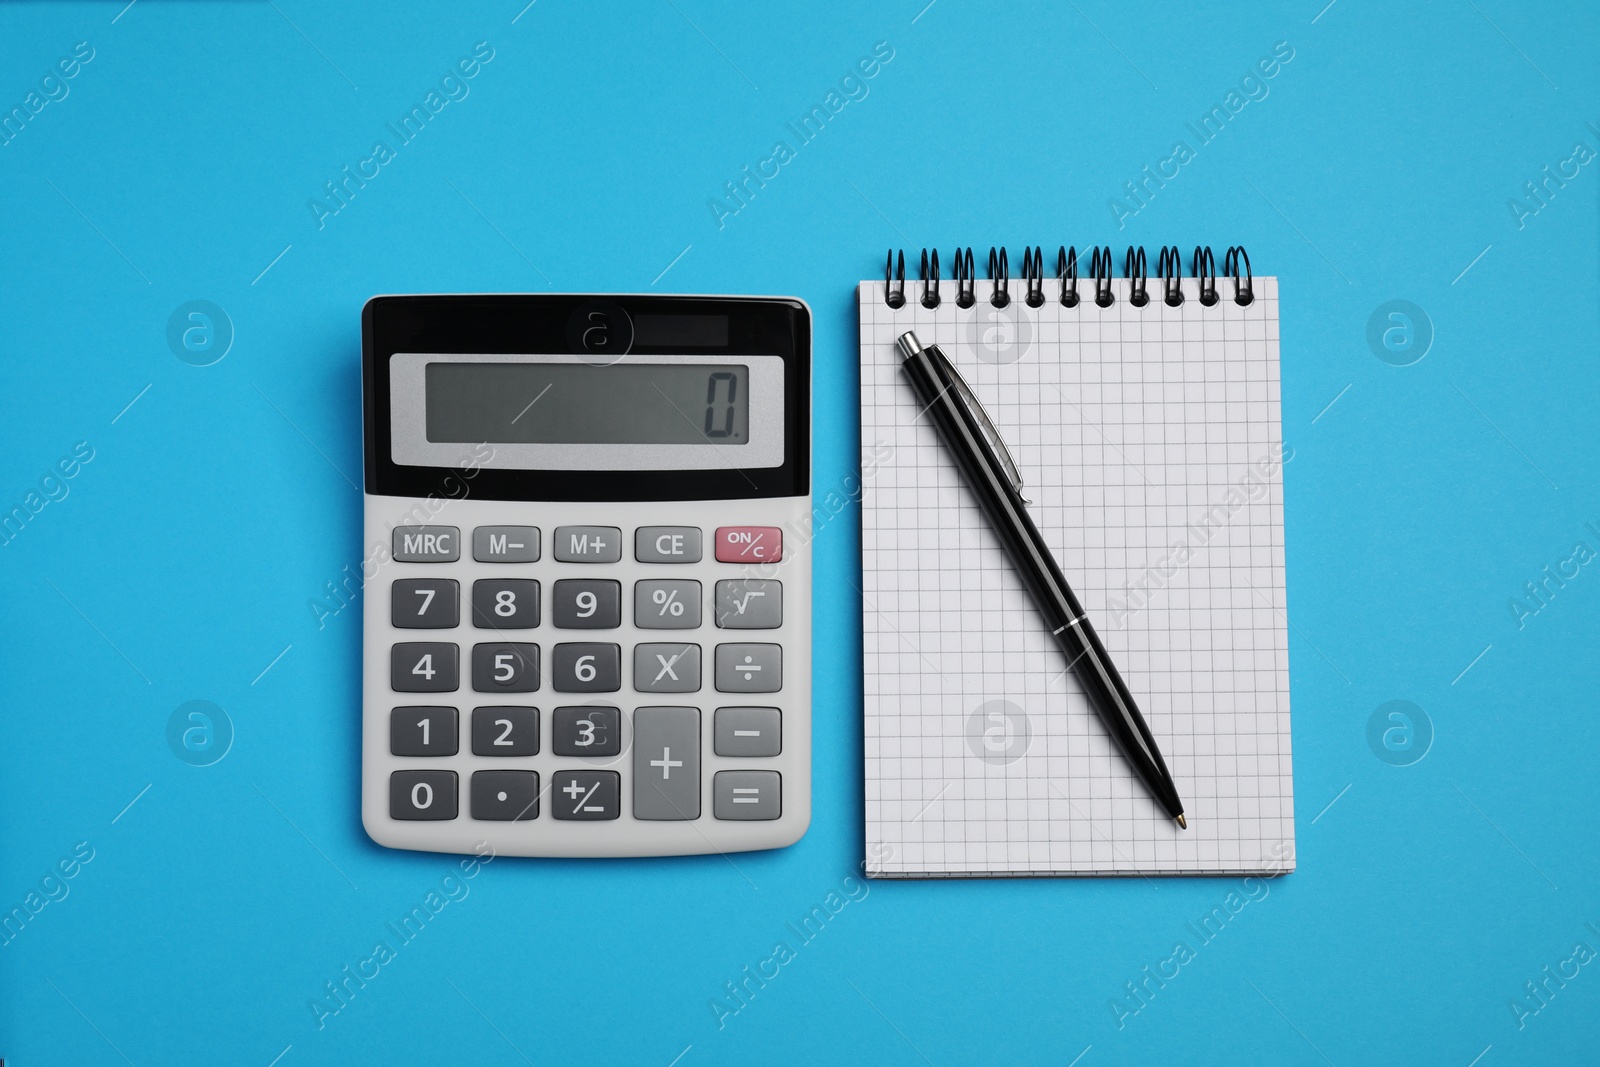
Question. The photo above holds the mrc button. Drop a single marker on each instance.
(427, 544)
(749, 544)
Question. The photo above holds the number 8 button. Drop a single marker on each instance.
(505, 604)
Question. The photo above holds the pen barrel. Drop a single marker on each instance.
(1009, 520)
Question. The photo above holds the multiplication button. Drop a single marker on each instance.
(662, 668)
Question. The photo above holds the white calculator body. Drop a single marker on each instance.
(588, 575)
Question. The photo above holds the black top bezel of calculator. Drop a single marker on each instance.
(539, 323)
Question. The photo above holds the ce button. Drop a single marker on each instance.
(667, 544)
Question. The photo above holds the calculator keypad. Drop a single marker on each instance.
(670, 742)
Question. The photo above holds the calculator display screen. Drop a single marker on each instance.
(626, 403)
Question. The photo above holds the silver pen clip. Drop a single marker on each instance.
(985, 425)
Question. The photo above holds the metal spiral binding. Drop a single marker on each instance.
(1169, 266)
(965, 279)
(1244, 292)
(1133, 267)
(894, 286)
(1205, 273)
(1033, 275)
(1067, 271)
(930, 281)
(1100, 267)
(1002, 279)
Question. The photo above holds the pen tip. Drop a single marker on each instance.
(1183, 823)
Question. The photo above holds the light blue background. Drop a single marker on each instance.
(185, 556)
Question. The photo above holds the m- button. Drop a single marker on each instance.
(588, 544)
(427, 544)
(749, 544)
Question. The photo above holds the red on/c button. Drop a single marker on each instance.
(749, 544)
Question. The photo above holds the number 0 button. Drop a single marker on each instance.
(423, 796)
(505, 667)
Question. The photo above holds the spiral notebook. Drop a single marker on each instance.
(1143, 413)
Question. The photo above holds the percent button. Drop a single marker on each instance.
(666, 605)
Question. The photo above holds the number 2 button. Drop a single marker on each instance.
(505, 604)
(505, 667)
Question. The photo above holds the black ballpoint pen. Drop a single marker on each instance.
(983, 458)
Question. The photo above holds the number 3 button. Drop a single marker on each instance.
(505, 667)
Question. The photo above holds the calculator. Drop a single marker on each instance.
(587, 599)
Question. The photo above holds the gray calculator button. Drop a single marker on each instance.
(666, 763)
(585, 795)
(752, 796)
(586, 668)
(423, 796)
(505, 731)
(671, 605)
(588, 544)
(505, 796)
(666, 668)
(505, 544)
(505, 667)
(749, 668)
(587, 604)
(505, 603)
(423, 732)
(749, 604)
(425, 603)
(586, 731)
(748, 732)
(427, 544)
(667, 544)
(424, 667)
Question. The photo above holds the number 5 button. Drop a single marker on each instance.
(505, 667)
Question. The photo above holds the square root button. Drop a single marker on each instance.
(747, 796)
(749, 544)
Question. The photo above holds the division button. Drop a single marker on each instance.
(749, 668)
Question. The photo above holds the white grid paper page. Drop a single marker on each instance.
(1150, 446)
